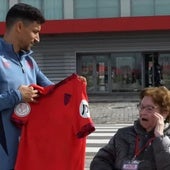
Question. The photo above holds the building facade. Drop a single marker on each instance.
(118, 45)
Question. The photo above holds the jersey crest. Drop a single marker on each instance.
(22, 109)
(5, 62)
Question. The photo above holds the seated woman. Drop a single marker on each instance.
(146, 144)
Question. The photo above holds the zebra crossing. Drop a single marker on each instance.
(99, 138)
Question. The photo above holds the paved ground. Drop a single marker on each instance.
(114, 97)
(113, 112)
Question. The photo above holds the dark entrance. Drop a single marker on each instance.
(152, 69)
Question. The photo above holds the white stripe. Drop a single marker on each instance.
(104, 130)
(108, 127)
(102, 134)
(97, 141)
(113, 126)
(92, 149)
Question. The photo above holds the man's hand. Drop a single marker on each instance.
(83, 78)
(28, 93)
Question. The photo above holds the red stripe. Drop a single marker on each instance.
(151, 23)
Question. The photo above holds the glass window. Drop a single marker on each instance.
(84, 9)
(164, 61)
(96, 8)
(35, 3)
(95, 68)
(102, 72)
(3, 9)
(53, 10)
(87, 70)
(109, 72)
(162, 7)
(142, 7)
(108, 8)
(126, 71)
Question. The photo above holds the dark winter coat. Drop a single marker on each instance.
(121, 147)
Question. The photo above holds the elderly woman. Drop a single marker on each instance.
(146, 144)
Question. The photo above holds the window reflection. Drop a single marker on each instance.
(164, 60)
(125, 72)
(111, 71)
(102, 72)
(3, 9)
(87, 70)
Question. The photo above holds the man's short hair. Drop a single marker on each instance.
(24, 12)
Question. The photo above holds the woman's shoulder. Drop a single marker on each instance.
(167, 129)
(126, 128)
(126, 131)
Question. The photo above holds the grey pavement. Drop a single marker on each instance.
(114, 97)
(113, 112)
(114, 108)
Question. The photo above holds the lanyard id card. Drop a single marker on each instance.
(130, 165)
(133, 164)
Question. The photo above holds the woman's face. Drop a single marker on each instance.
(147, 110)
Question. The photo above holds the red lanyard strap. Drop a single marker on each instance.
(137, 148)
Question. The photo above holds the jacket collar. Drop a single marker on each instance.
(9, 47)
(140, 130)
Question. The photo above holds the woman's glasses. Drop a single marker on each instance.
(147, 108)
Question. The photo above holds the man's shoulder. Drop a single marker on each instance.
(1, 44)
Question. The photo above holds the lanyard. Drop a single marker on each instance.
(137, 149)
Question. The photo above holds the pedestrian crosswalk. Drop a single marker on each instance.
(99, 138)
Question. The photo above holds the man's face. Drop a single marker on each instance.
(29, 35)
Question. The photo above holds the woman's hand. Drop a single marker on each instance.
(159, 128)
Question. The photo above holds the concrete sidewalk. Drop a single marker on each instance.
(114, 97)
(113, 112)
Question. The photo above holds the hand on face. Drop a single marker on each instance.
(151, 117)
(159, 127)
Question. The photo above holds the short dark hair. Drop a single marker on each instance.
(24, 12)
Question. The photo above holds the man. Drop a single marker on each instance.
(17, 71)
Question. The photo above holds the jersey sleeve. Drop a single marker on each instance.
(83, 123)
(21, 114)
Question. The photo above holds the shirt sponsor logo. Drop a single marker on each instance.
(84, 109)
(29, 64)
(5, 62)
(22, 109)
